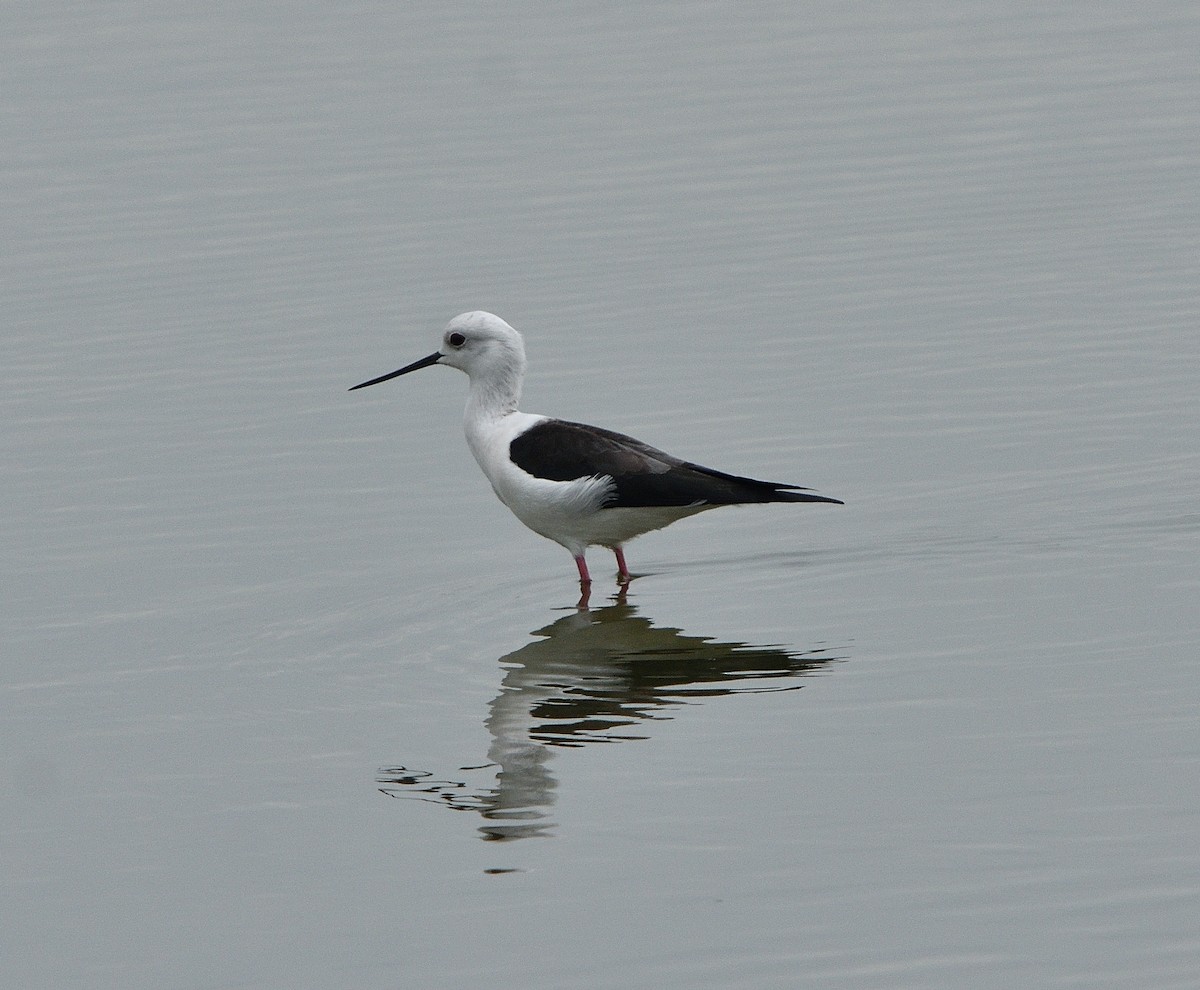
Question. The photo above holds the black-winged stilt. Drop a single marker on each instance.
(577, 485)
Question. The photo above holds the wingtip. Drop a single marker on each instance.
(794, 493)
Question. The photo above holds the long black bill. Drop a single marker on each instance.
(425, 362)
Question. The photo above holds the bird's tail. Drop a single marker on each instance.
(737, 490)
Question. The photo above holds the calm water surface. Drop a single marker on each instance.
(290, 700)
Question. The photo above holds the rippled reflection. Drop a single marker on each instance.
(594, 676)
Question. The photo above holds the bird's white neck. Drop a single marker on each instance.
(496, 394)
(491, 415)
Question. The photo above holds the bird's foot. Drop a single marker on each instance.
(623, 575)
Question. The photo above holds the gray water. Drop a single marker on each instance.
(290, 700)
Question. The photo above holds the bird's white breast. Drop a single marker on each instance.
(562, 511)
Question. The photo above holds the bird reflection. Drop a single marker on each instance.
(594, 676)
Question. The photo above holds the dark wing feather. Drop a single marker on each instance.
(642, 475)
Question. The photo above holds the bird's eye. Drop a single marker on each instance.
(456, 340)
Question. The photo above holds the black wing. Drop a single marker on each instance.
(643, 476)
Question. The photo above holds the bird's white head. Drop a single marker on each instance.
(482, 345)
(490, 352)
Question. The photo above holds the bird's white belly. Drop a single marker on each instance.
(613, 527)
(569, 513)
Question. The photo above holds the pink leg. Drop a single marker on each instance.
(622, 570)
(584, 576)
